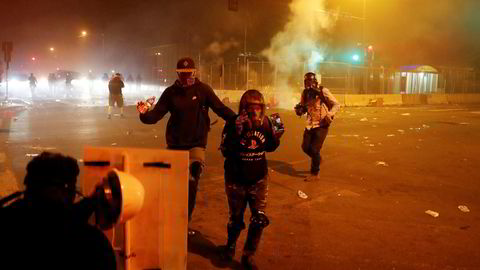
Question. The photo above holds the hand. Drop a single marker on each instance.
(240, 121)
(299, 109)
(329, 118)
(144, 106)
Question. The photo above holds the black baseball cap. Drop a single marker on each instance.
(185, 64)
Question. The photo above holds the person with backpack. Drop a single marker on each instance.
(320, 106)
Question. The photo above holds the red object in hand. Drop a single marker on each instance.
(144, 106)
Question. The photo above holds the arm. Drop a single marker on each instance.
(272, 141)
(217, 106)
(300, 107)
(332, 101)
(160, 109)
(230, 139)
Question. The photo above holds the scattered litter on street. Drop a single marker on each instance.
(405, 114)
(31, 155)
(302, 195)
(463, 208)
(365, 137)
(390, 135)
(464, 123)
(113, 144)
(364, 119)
(381, 163)
(425, 126)
(371, 144)
(155, 136)
(401, 130)
(432, 213)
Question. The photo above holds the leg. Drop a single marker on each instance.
(111, 102)
(237, 204)
(120, 104)
(307, 138)
(318, 137)
(197, 163)
(257, 199)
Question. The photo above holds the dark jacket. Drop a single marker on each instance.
(115, 86)
(245, 159)
(41, 237)
(189, 123)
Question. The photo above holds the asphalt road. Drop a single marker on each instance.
(383, 168)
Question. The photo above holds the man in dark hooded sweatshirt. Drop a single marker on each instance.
(188, 101)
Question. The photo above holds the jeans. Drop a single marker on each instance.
(312, 143)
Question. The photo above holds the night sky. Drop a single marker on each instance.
(445, 32)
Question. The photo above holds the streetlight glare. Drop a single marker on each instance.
(84, 33)
(52, 49)
(33, 58)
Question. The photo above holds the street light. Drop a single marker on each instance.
(52, 49)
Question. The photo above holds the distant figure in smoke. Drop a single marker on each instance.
(68, 85)
(52, 80)
(115, 96)
(33, 84)
(105, 77)
(138, 80)
(245, 142)
(320, 106)
(91, 81)
(188, 101)
(45, 229)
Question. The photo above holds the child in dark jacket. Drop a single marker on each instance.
(245, 141)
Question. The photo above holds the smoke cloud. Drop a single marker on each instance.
(301, 45)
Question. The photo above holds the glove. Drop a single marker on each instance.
(278, 127)
(240, 121)
(144, 106)
(300, 109)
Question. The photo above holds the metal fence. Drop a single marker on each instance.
(340, 77)
(337, 76)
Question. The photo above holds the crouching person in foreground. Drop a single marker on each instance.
(244, 143)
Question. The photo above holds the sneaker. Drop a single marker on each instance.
(248, 262)
(312, 178)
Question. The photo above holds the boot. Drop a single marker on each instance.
(251, 245)
(229, 251)
(248, 262)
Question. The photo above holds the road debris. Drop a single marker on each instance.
(401, 130)
(301, 194)
(464, 123)
(381, 163)
(113, 144)
(390, 135)
(432, 213)
(463, 208)
(31, 155)
(364, 119)
(405, 114)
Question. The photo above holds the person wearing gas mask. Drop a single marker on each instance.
(245, 141)
(45, 229)
(188, 101)
(320, 106)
